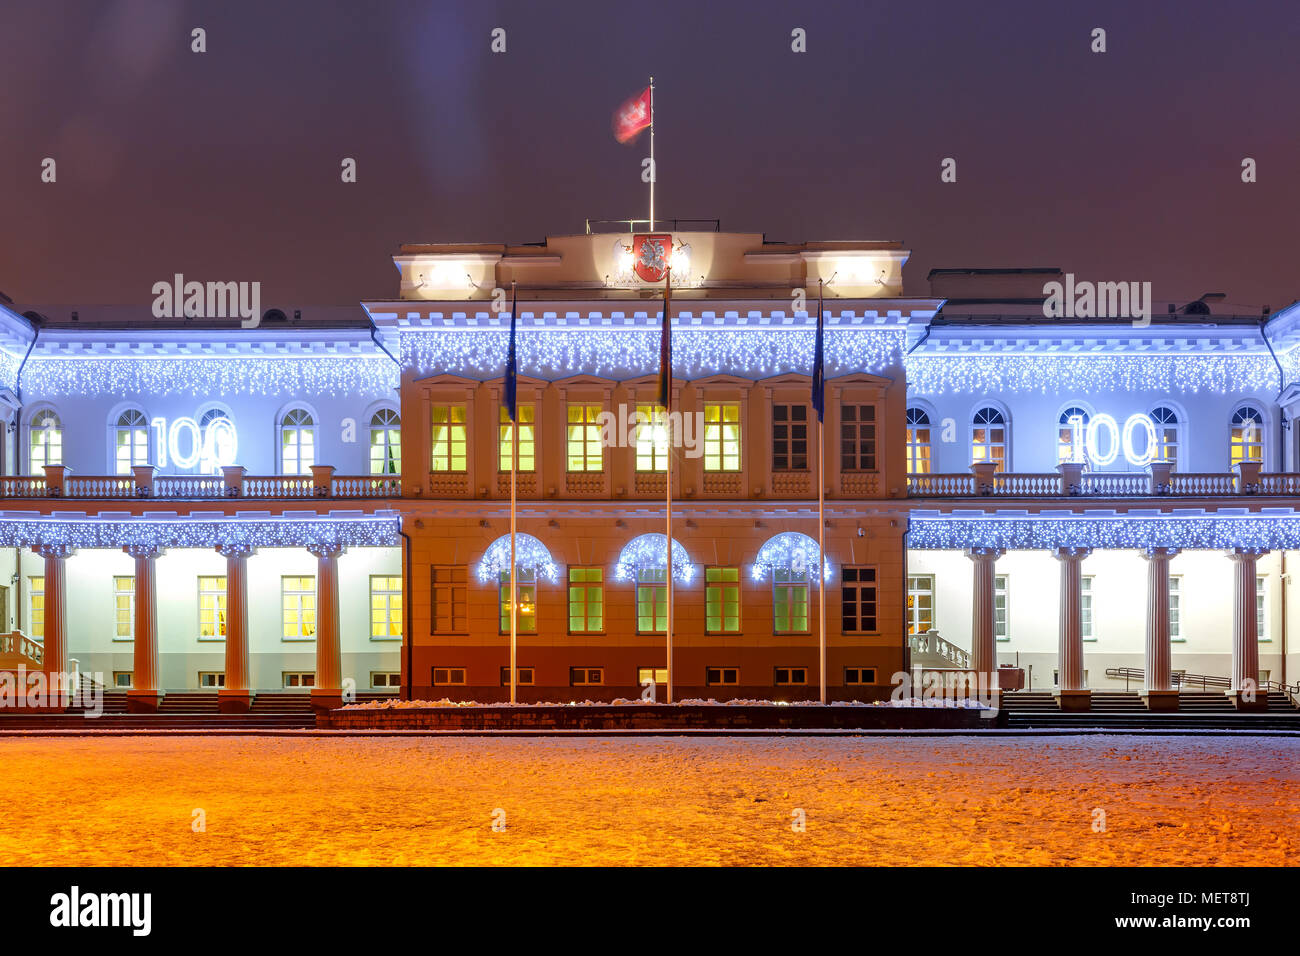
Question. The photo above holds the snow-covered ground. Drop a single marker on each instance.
(651, 800)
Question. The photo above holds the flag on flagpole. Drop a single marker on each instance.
(633, 116)
(819, 374)
(512, 370)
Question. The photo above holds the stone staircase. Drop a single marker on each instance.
(1121, 710)
(930, 651)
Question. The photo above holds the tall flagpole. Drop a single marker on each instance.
(668, 469)
(821, 502)
(654, 171)
(514, 466)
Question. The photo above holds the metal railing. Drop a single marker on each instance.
(1182, 680)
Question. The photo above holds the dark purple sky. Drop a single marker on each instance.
(225, 165)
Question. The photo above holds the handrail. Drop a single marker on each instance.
(1205, 681)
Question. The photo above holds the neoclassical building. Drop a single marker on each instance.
(321, 504)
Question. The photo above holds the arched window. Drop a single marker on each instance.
(222, 442)
(918, 442)
(46, 440)
(1247, 442)
(1071, 435)
(130, 441)
(989, 437)
(1168, 434)
(297, 442)
(386, 442)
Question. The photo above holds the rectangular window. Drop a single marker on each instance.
(1000, 631)
(386, 680)
(212, 607)
(527, 438)
(651, 439)
(586, 676)
(123, 607)
(657, 675)
(526, 589)
(722, 600)
(787, 676)
(450, 596)
(722, 437)
(1261, 619)
(855, 676)
(858, 437)
(298, 598)
(130, 447)
(448, 675)
(36, 605)
(385, 607)
(789, 601)
(715, 676)
(122, 678)
(212, 679)
(586, 600)
(789, 437)
(858, 600)
(449, 448)
(1086, 608)
(920, 603)
(585, 450)
(523, 677)
(1175, 609)
(652, 601)
(293, 679)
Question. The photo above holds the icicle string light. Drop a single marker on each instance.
(789, 551)
(378, 531)
(1083, 374)
(650, 551)
(1199, 533)
(530, 555)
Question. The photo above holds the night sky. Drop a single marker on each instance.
(225, 165)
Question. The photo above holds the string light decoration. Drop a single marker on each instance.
(9, 369)
(530, 555)
(624, 352)
(650, 551)
(789, 551)
(1209, 533)
(938, 374)
(371, 531)
(199, 376)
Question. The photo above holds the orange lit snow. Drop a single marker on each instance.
(420, 800)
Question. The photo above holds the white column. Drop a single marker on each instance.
(984, 657)
(1071, 691)
(54, 652)
(328, 692)
(1157, 679)
(144, 693)
(234, 697)
(1245, 629)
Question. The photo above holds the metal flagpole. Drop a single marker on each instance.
(514, 465)
(668, 475)
(821, 517)
(654, 172)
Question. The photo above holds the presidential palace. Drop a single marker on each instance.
(319, 504)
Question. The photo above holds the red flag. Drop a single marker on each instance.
(632, 117)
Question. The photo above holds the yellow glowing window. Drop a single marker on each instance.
(586, 600)
(527, 438)
(722, 437)
(130, 441)
(46, 441)
(1247, 435)
(989, 437)
(123, 607)
(722, 599)
(658, 675)
(651, 439)
(449, 441)
(526, 588)
(298, 595)
(385, 607)
(386, 443)
(36, 605)
(918, 442)
(297, 442)
(585, 451)
(212, 607)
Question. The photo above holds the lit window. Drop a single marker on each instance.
(858, 437)
(527, 438)
(722, 437)
(920, 603)
(1086, 609)
(858, 600)
(651, 600)
(526, 588)
(297, 442)
(212, 608)
(130, 441)
(1168, 434)
(46, 440)
(385, 607)
(298, 599)
(1247, 435)
(918, 442)
(123, 607)
(989, 437)
(1175, 611)
(1260, 617)
(386, 442)
(1000, 631)
(586, 600)
(1070, 435)
(722, 600)
(649, 675)
(36, 605)
(586, 452)
(449, 440)
(651, 439)
(789, 601)
(789, 437)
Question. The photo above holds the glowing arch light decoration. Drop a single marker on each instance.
(530, 555)
(792, 550)
(651, 551)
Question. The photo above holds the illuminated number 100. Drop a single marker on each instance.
(1086, 439)
(212, 447)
